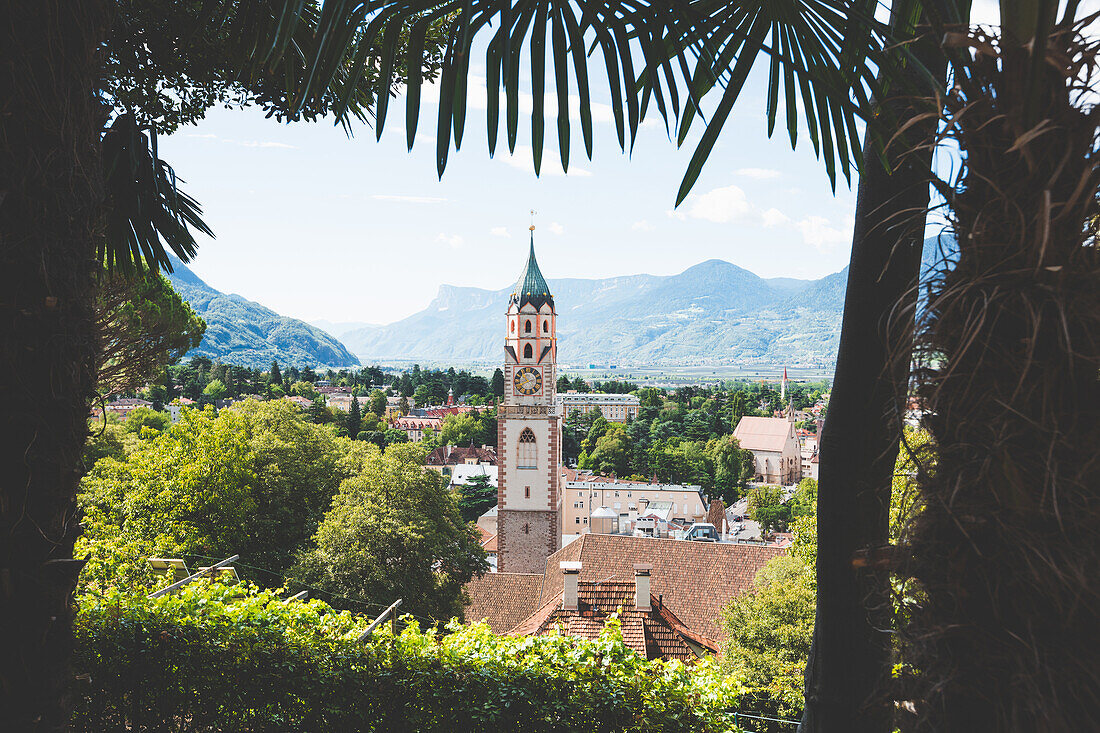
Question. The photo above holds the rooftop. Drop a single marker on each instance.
(531, 286)
(763, 433)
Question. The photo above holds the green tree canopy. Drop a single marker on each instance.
(142, 325)
(253, 480)
(461, 430)
(766, 506)
(378, 402)
(395, 532)
(768, 636)
(475, 497)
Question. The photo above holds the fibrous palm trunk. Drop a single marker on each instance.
(851, 655)
(1007, 545)
(49, 201)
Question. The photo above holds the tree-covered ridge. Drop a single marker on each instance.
(241, 331)
(713, 312)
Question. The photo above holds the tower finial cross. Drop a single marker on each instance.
(533, 212)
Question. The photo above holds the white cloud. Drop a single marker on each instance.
(205, 136)
(454, 241)
(757, 173)
(556, 228)
(722, 205)
(642, 226)
(263, 144)
(675, 214)
(818, 232)
(500, 232)
(774, 217)
(408, 199)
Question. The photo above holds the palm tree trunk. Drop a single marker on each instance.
(1007, 545)
(49, 202)
(850, 657)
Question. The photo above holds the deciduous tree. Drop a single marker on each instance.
(395, 532)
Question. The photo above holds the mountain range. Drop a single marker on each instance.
(241, 331)
(712, 313)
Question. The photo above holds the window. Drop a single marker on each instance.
(546, 326)
(527, 328)
(513, 327)
(526, 492)
(578, 520)
(527, 352)
(527, 457)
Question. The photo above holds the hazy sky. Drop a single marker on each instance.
(317, 225)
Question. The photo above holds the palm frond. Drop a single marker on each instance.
(822, 58)
(147, 213)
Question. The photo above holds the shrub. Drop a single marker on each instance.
(238, 659)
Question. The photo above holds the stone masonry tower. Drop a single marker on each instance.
(528, 429)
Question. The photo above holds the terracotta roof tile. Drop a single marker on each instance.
(502, 599)
(696, 579)
(654, 633)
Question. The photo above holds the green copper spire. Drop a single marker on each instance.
(531, 286)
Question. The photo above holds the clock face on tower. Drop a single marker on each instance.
(527, 380)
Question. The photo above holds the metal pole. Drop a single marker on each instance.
(382, 617)
(179, 584)
(299, 596)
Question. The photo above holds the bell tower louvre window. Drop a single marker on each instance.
(527, 328)
(527, 455)
(527, 352)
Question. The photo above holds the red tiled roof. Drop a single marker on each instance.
(696, 579)
(654, 633)
(447, 455)
(502, 599)
(488, 539)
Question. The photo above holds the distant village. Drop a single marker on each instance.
(568, 546)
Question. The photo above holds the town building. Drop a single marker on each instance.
(462, 474)
(528, 428)
(342, 401)
(583, 493)
(446, 457)
(123, 406)
(614, 407)
(301, 402)
(808, 444)
(393, 406)
(693, 581)
(418, 427)
(777, 456)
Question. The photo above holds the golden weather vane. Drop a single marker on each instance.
(533, 212)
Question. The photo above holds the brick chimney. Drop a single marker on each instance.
(641, 585)
(571, 575)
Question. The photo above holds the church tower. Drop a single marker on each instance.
(528, 429)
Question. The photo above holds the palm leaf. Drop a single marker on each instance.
(147, 213)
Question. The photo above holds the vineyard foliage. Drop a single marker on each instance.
(217, 658)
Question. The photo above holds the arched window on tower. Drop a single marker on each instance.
(526, 457)
(527, 328)
(546, 326)
(512, 328)
(527, 352)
